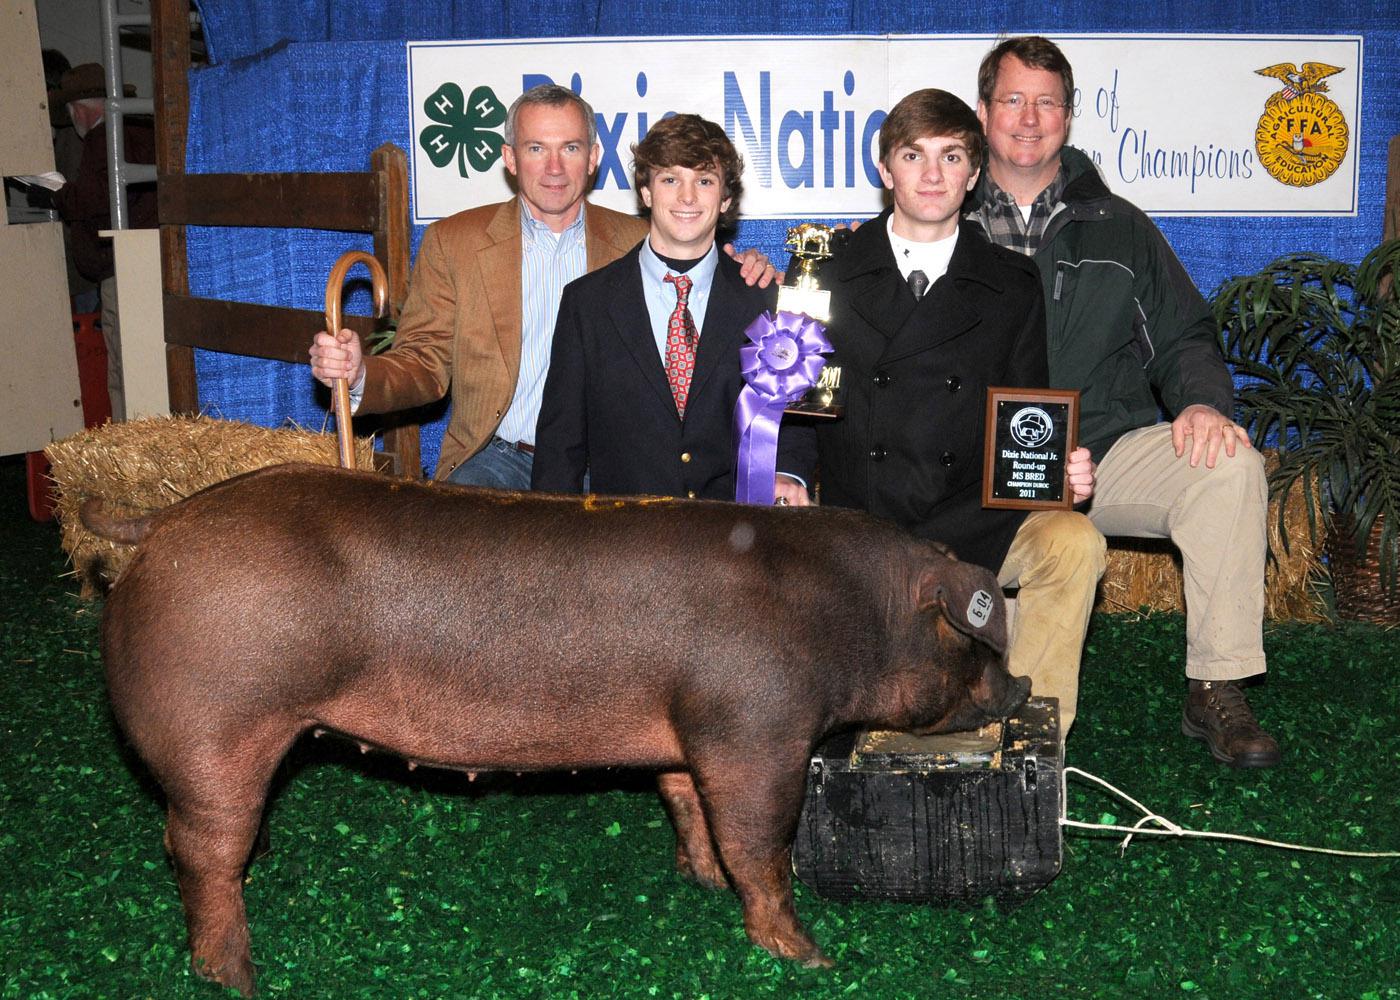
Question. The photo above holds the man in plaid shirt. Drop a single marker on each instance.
(1126, 326)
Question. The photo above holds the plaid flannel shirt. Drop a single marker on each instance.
(1002, 219)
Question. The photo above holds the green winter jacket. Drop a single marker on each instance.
(1125, 325)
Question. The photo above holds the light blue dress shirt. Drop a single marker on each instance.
(547, 263)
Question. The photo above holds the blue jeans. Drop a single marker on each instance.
(500, 465)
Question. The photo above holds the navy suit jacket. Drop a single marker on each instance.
(608, 409)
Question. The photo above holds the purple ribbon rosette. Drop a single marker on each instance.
(782, 362)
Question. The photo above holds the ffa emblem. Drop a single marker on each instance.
(1302, 136)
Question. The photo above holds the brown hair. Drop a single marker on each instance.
(928, 113)
(693, 142)
(1033, 50)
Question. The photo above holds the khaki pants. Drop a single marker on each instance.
(1055, 560)
(1216, 517)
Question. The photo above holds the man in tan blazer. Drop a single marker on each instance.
(481, 307)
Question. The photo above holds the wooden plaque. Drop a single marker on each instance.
(1029, 435)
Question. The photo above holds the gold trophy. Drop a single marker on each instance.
(801, 292)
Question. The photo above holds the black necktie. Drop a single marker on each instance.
(918, 283)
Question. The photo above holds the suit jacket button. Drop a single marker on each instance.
(946, 459)
(685, 456)
(882, 379)
(954, 383)
(690, 494)
(877, 454)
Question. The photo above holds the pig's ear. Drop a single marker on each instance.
(970, 599)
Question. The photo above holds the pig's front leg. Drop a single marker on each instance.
(753, 803)
(695, 849)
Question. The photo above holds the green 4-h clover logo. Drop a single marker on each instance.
(464, 128)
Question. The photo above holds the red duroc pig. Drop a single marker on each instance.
(714, 643)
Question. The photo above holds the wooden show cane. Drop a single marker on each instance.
(340, 390)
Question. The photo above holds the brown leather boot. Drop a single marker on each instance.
(1218, 713)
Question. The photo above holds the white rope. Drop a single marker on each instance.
(1170, 829)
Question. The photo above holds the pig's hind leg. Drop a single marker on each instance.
(753, 802)
(215, 807)
(695, 849)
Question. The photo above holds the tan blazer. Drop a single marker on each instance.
(460, 325)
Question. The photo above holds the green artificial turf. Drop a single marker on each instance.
(385, 883)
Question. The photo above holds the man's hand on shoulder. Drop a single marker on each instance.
(754, 266)
(1208, 429)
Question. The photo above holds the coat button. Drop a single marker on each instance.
(954, 383)
(882, 379)
(877, 454)
(685, 456)
(690, 494)
(946, 459)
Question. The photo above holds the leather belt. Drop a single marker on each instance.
(520, 446)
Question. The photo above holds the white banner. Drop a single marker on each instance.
(1179, 124)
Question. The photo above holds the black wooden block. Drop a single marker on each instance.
(935, 819)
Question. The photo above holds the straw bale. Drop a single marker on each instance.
(142, 466)
(1146, 573)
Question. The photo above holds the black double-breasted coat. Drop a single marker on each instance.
(910, 446)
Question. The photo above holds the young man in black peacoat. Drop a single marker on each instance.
(611, 410)
(910, 446)
(925, 316)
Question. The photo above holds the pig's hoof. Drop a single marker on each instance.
(796, 947)
(237, 975)
(714, 882)
(706, 878)
(807, 955)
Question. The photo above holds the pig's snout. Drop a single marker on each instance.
(997, 694)
(1016, 694)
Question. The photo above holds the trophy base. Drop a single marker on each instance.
(804, 409)
(826, 399)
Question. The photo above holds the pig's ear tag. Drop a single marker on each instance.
(969, 600)
(979, 609)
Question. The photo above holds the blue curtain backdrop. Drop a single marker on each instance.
(318, 84)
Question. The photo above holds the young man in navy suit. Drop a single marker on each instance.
(644, 372)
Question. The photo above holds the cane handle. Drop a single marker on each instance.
(340, 388)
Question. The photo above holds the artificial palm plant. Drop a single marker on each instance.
(1315, 345)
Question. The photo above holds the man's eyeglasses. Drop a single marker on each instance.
(1018, 102)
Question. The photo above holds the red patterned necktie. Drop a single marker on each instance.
(680, 343)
